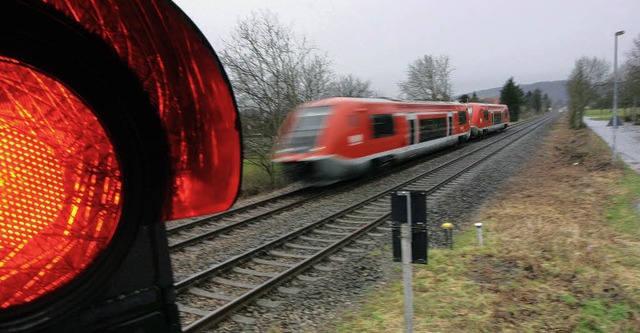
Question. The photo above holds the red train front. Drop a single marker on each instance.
(333, 139)
(487, 118)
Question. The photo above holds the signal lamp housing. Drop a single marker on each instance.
(114, 116)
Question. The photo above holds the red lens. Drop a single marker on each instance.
(60, 185)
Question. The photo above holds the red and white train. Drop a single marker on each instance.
(487, 118)
(338, 138)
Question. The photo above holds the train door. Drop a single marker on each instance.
(497, 117)
(450, 124)
(412, 128)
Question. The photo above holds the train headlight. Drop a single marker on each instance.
(283, 151)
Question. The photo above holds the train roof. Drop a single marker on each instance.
(377, 100)
(486, 104)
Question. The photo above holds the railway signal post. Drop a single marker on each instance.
(409, 209)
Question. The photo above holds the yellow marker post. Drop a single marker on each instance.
(448, 233)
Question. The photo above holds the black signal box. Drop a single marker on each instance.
(418, 206)
(419, 243)
(418, 225)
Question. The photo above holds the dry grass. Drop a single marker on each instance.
(554, 260)
(551, 221)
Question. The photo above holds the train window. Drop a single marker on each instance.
(309, 123)
(382, 125)
(311, 118)
(462, 118)
(486, 115)
(431, 129)
(497, 117)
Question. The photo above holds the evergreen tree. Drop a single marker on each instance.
(546, 102)
(474, 97)
(536, 100)
(526, 101)
(464, 98)
(512, 96)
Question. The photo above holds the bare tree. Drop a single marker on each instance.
(350, 86)
(630, 71)
(428, 78)
(272, 71)
(585, 86)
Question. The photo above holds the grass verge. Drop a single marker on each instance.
(561, 254)
(256, 180)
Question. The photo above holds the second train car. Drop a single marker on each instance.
(333, 139)
(487, 118)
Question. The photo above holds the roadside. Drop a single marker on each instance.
(627, 140)
(561, 253)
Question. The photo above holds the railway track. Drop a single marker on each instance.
(191, 242)
(191, 231)
(213, 294)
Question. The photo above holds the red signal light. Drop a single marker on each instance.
(114, 115)
(60, 186)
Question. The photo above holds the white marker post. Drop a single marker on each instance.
(407, 270)
(479, 231)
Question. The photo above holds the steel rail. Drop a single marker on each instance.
(221, 313)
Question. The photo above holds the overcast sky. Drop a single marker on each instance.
(487, 41)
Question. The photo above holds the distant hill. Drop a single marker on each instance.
(555, 89)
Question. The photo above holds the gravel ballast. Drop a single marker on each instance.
(318, 304)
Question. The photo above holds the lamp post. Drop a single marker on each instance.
(615, 93)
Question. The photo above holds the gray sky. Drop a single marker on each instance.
(487, 41)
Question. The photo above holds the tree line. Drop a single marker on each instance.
(590, 84)
(532, 102)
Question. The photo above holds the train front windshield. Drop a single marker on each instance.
(307, 126)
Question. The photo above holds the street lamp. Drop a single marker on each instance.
(615, 92)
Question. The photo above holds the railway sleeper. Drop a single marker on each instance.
(272, 262)
(360, 216)
(319, 240)
(267, 303)
(339, 220)
(352, 250)
(333, 226)
(254, 272)
(304, 247)
(191, 310)
(289, 290)
(234, 283)
(288, 255)
(208, 294)
(325, 232)
(381, 204)
(307, 278)
(244, 319)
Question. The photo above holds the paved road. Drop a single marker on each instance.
(627, 140)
